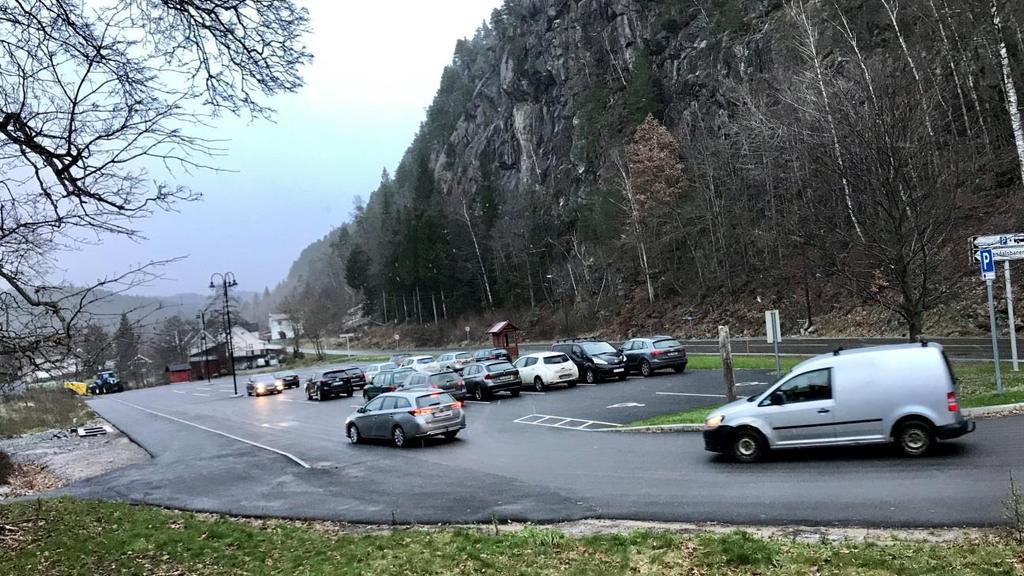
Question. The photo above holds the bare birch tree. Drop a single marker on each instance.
(1009, 88)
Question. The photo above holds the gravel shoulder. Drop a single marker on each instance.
(55, 458)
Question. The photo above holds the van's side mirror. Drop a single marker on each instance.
(361, 410)
(776, 399)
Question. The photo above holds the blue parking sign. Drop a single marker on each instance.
(988, 264)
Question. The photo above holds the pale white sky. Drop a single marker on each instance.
(377, 66)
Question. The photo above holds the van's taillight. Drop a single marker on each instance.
(952, 403)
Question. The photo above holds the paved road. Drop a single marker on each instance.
(973, 348)
(512, 463)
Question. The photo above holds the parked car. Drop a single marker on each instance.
(485, 354)
(333, 383)
(401, 416)
(262, 384)
(484, 379)
(421, 364)
(448, 381)
(388, 381)
(454, 360)
(397, 359)
(903, 393)
(595, 360)
(288, 378)
(645, 355)
(543, 369)
(373, 369)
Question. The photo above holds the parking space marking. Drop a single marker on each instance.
(562, 422)
(690, 394)
(585, 384)
(475, 402)
(198, 394)
(178, 391)
(751, 384)
(533, 393)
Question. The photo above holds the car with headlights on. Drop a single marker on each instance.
(485, 379)
(332, 383)
(448, 381)
(388, 381)
(544, 369)
(263, 384)
(405, 415)
(289, 378)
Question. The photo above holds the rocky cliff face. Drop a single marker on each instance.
(555, 75)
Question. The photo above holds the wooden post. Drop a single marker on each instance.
(725, 349)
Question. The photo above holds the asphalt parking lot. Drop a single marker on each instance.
(539, 457)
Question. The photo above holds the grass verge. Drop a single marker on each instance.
(70, 538)
(41, 409)
(975, 379)
(742, 362)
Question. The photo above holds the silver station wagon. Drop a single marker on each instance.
(401, 416)
(903, 393)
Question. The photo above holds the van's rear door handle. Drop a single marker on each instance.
(824, 411)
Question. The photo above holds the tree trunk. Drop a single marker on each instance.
(1010, 88)
(479, 256)
(891, 7)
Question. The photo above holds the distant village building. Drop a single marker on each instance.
(250, 352)
(280, 327)
(178, 372)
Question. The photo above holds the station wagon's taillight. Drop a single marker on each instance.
(951, 402)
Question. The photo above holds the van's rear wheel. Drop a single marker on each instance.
(914, 438)
(748, 446)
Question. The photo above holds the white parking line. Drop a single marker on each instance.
(198, 394)
(738, 384)
(585, 384)
(533, 393)
(475, 402)
(225, 434)
(688, 394)
(562, 422)
(178, 391)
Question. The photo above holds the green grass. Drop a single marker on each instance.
(975, 379)
(74, 538)
(742, 362)
(41, 409)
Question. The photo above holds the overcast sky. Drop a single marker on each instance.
(377, 66)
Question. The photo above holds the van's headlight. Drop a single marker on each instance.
(713, 422)
(599, 361)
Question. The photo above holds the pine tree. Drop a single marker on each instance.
(126, 344)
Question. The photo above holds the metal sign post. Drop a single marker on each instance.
(988, 274)
(1009, 313)
(774, 332)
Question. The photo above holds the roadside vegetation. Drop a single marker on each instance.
(67, 537)
(975, 379)
(41, 409)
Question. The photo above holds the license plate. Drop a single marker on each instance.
(620, 369)
(443, 414)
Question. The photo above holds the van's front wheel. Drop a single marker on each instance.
(748, 446)
(914, 438)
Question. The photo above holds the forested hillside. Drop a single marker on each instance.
(625, 165)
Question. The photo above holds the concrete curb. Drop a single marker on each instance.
(981, 412)
(994, 411)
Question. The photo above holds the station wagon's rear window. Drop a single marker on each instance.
(665, 344)
(434, 400)
(499, 367)
(560, 359)
(443, 377)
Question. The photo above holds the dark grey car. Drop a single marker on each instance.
(401, 416)
(484, 379)
(448, 381)
(645, 355)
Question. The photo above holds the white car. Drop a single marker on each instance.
(543, 369)
(373, 369)
(421, 364)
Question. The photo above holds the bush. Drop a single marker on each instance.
(6, 468)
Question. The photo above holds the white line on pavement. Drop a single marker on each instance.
(585, 384)
(533, 393)
(178, 391)
(225, 434)
(475, 402)
(198, 394)
(688, 394)
(563, 422)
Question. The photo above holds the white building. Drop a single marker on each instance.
(280, 327)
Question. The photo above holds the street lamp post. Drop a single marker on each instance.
(202, 337)
(227, 280)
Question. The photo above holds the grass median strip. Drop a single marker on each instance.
(72, 538)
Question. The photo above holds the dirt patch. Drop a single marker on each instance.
(51, 459)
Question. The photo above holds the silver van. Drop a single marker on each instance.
(903, 393)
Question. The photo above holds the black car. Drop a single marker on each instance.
(332, 383)
(596, 360)
(448, 381)
(484, 379)
(387, 381)
(486, 354)
(645, 355)
(288, 378)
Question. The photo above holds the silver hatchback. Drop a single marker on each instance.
(401, 416)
